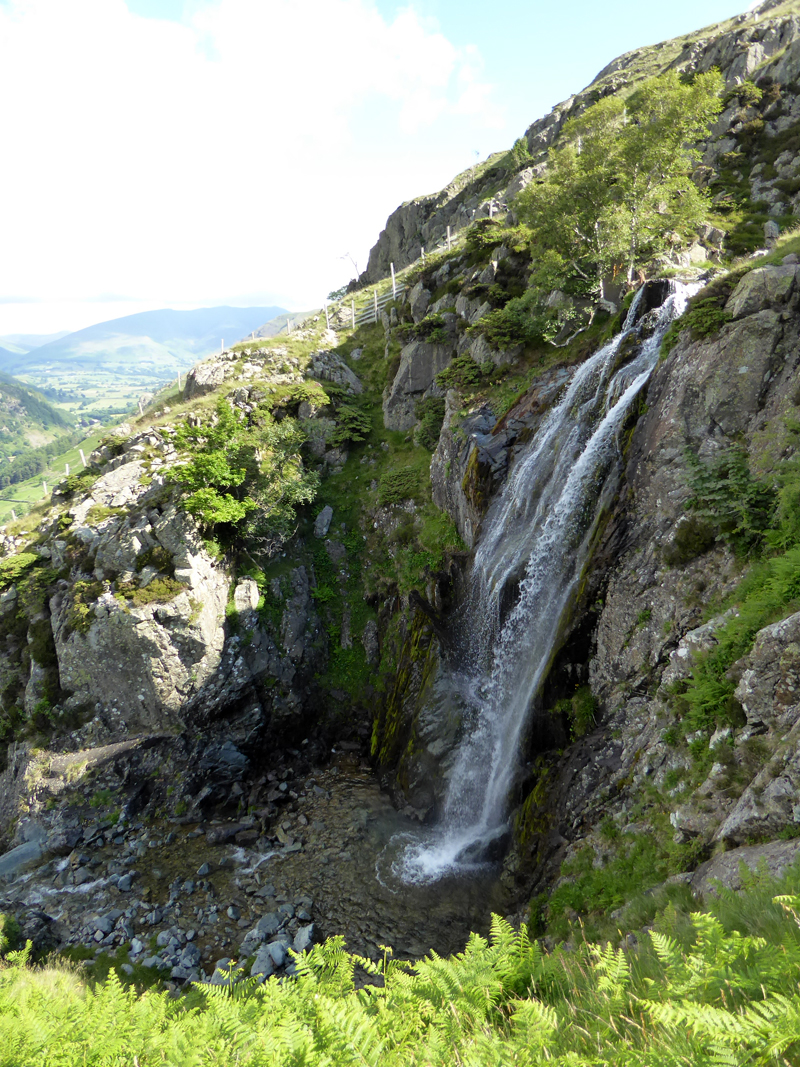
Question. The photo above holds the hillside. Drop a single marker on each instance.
(488, 604)
(27, 420)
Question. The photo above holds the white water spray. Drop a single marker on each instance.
(534, 544)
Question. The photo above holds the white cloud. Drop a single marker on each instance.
(246, 149)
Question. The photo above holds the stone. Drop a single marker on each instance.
(419, 299)
(761, 288)
(263, 964)
(322, 523)
(204, 378)
(369, 639)
(221, 975)
(246, 596)
(277, 951)
(233, 912)
(328, 366)
(190, 956)
(774, 858)
(203, 870)
(21, 858)
(771, 233)
(420, 362)
(304, 938)
(62, 839)
(137, 946)
(125, 883)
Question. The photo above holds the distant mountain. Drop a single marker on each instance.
(274, 326)
(114, 362)
(24, 342)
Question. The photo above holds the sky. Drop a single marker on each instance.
(185, 153)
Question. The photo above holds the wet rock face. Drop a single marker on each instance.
(707, 396)
(731, 388)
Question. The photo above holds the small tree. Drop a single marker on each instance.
(621, 186)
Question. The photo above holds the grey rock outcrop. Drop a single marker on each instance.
(146, 661)
(330, 367)
(205, 378)
(420, 362)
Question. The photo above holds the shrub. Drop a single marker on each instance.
(398, 485)
(461, 373)
(10, 933)
(737, 506)
(80, 615)
(353, 424)
(430, 412)
(159, 591)
(13, 567)
(693, 536)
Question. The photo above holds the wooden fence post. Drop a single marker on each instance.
(353, 309)
(422, 248)
(44, 489)
(448, 239)
(83, 458)
(375, 297)
(66, 469)
(394, 285)
(327, 316)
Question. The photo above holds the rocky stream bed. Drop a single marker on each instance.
(186, 899)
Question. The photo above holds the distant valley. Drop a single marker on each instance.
(102, 370)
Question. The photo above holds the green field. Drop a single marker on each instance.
(22, 496)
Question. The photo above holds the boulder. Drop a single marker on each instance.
(330, 367)
(763, 287)
(726, 869)
(769, 686)
(246, 596)
(147, 661)
(204, 378)
(263, 964)
(322, 523)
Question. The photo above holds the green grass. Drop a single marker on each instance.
(22, 496)
(710, 986)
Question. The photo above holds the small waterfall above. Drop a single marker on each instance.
(534, 544)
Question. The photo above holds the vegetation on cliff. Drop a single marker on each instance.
(707, 987)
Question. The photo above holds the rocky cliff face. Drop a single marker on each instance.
(169, 677)
(763, 44)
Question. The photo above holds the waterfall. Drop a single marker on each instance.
(533, 546)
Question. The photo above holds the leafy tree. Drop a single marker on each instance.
(246, 476)
(620, 188)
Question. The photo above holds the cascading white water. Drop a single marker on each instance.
(534, 543)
